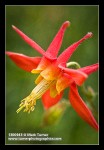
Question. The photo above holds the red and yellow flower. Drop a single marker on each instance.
(54, 75)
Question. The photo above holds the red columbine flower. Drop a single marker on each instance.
(54, 76)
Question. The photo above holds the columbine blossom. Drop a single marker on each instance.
(54, 75)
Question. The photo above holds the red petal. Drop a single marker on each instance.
(57, 41)
(80, 107)
(78, 76)
(69, 51)
(29, 41)
(23, 61)
(48, 101)
(90, 69)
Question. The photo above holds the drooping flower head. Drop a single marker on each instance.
(54, 75)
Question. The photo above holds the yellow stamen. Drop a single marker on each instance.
(29, 102)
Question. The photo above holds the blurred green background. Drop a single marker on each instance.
(41, 23)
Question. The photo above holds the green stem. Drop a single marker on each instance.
(75, 64)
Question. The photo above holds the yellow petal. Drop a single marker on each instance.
(63, 81)
(51, 72)
(42, 65)
(53, 91)
(39, 79)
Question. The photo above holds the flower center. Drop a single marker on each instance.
(29, 102)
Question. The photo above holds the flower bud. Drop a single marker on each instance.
(53, 114)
